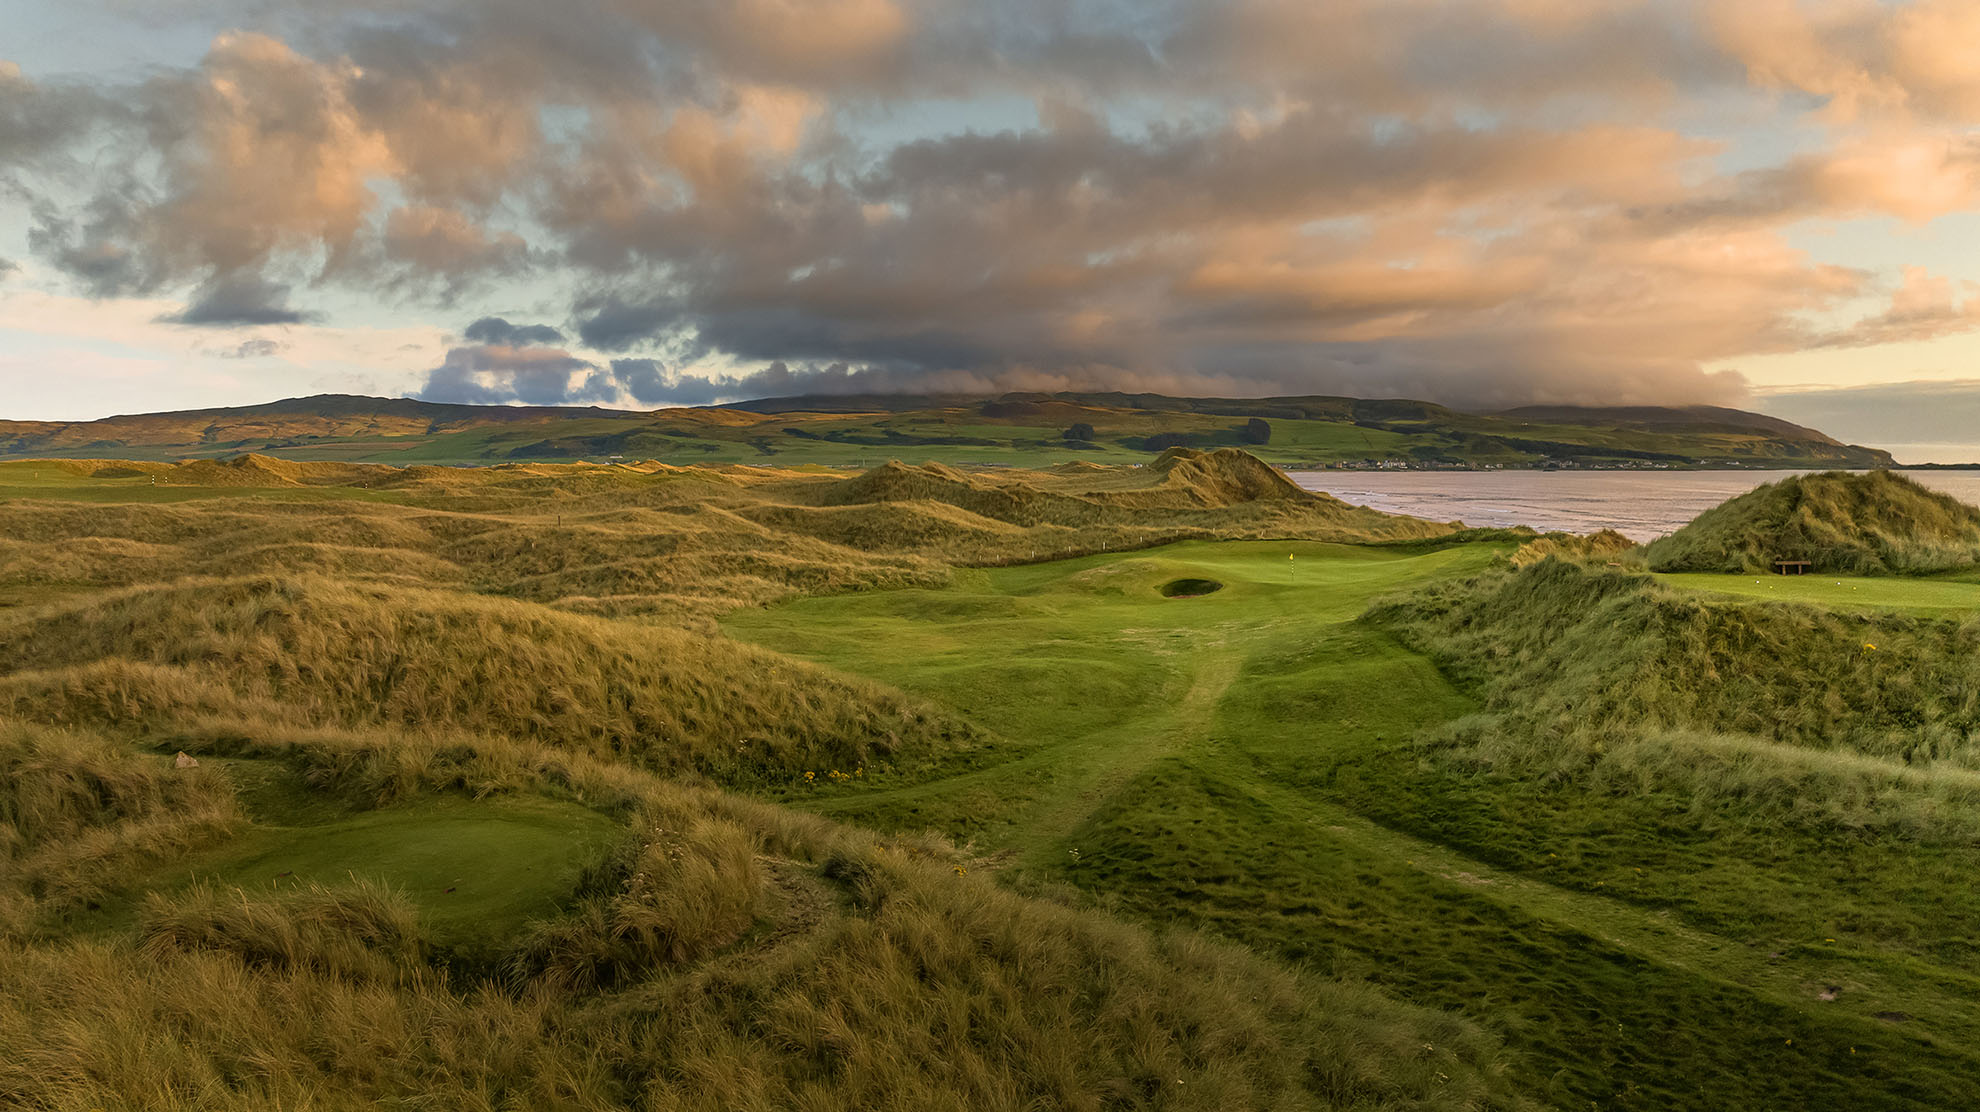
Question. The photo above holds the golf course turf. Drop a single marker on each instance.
(1244, 764)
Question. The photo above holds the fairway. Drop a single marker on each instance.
(1241, 761)
(1091, 675)
(1927, 597)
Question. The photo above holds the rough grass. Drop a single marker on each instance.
(674, 896)
(1677, 851)
(362, 932)
(1594, 648)
(1858, 523)
(78, 814)
(743, 960)
(1606, 545)
(57, 785)
(312, 650)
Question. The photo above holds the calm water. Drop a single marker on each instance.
(1638, 504)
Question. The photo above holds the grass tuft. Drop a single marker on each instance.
(358, 932)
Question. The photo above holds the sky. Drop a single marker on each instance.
(1772, 204)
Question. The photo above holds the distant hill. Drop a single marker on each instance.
(1870, 523)
(1018, 429)
(1023, 404)
(1688, 418)
(319, 417)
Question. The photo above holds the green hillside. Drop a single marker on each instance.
(1025, 430)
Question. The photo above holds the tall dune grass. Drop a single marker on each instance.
(325, 651)
(743, 958)
(361, 932)
(79, 814)
(1602, 647)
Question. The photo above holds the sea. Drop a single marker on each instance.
(1641, 505)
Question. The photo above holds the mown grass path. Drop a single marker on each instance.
(1187, 726)
(1201, 761)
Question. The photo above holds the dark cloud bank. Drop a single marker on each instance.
(1936, 421)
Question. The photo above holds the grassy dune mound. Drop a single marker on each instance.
(1224, 477)
(359, 933)
(687, 558)
(1866, 523)
(334, 652)
(1599, 647)
(1017, 503)
(224, 527)
(1178, 479)
(1603, 544)
(716, 552)
(56, 786)
(1624, 721)
(645, 540)
(892, 526)
(1183, 493)
(250, 470)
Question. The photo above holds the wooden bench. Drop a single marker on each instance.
(1791, 567)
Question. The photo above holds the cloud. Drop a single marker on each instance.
(616, 324)
(505, 363)
(233, 300)
(496, 375)
(1860, 57)
(787, 41)
(427, 241)
(1488, 203)
(648, 383)
(1925, 307)
(1914, 420)
(252, 349)
(92, 243)
(39, 122)
(497, 331)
